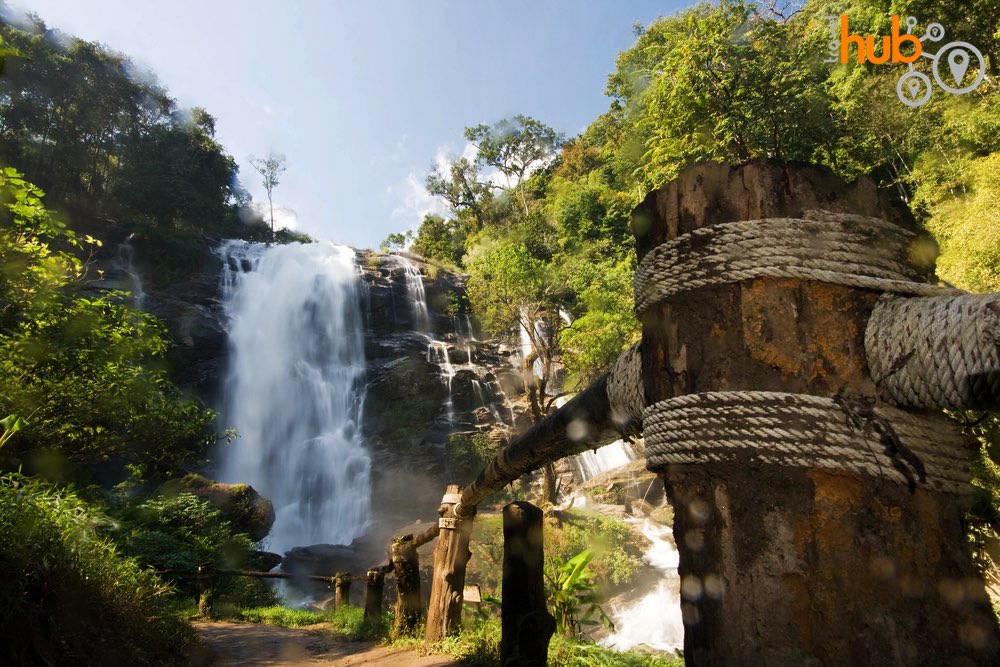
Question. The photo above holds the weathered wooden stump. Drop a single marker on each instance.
(375, 580)
(406, 572)
(784, 561)
(527, 623)
(341, 590)
(451, 555)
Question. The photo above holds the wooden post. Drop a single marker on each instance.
(373, 593)
(342, 590)
(526, 622)
(406, 571)
(451, 555)
(785, 565)
(205, 590)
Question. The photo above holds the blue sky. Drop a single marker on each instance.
(362, 97)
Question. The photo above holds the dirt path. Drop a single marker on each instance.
(253, 645)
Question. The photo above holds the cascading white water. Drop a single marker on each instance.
(295, 388)
(614, 455)
(437, 353)
(125, 262)
(655, 620)
(417, 296)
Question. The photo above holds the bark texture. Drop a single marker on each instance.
(406, 572)
(527, 625)
(451, 556)
(789, 566)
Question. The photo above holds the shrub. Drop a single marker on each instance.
(67, 596)
(181, 532)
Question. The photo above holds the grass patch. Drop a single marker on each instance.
(284, 617)
(350, 623)
(479, 646)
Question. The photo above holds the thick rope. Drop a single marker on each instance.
(843, 249)
(936, 352)
(813, 432)
(625, 390)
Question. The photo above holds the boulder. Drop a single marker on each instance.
(246, 510)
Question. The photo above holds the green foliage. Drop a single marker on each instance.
(616, 553)
(568, 652)
(440, 239)
(571, 595)
(514, 146)
(67, 595)
(112, 146)
(285, 235)
(284, 617)
(967, 227)
(180, 532)
(80, 370)
(614, 548)
(350, 623)
(468, 453)
(396, 242)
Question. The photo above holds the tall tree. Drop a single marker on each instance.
(515, 146)
(270, 168)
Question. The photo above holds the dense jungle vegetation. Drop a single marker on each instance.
(92, 151)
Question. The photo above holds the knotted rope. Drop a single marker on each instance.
(838, 248)
(805, 431)
(625, 391)
(936, 352)
(812, 431)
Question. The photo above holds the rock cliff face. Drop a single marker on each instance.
(432, 378)
(439, 397)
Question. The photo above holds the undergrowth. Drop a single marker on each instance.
(67, 596)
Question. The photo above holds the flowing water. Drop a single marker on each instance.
(589, 464)
(416, 295)
(655, 619)
(295, 388)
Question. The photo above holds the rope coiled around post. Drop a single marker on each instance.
(838, 248)
(625, 390)
(810, 432)
(936, 351)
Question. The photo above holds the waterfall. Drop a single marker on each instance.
(416, 294)
(125, 262)
(437, 353)
(655, 620)
(295, 388)
(592, 463)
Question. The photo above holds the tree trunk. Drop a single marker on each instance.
(784, 565)
(451, 556)
(373, 593)
(526, 622)
(406, 571)
(342, 590)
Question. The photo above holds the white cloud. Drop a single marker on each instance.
(283, 215)
(401, 149)
(415, 201)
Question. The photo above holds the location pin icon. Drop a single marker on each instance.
(914, 86)
(958, 62)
